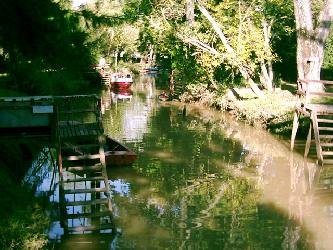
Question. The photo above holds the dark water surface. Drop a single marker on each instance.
(205, 181)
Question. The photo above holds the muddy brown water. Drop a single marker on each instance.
(205, 181)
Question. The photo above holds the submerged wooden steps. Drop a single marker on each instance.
(87, 178)
(90, 228)
(86, 190)
(85, 198)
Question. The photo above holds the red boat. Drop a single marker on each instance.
(121, 94)
(121, 81)
(163, 97)
(117, 154)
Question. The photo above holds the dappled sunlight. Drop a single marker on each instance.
(136, 224)
(215, 147)
(203, 180)
(164, 156)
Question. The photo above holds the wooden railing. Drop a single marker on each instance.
(317, 104)
(309, 98)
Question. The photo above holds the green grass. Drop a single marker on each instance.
(22, 219)
(274, 112)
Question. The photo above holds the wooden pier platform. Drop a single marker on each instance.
(75, 126)
(85, 197)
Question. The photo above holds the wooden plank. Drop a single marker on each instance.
(85, 203)
(81, 157)
(328, 161)
(325, 128)
(294, 130)
(326, 144)
(87, 179)
(306, 81)
(88, 190)
(308, 141)
(93, 168)
(83, 147)
(328, 94)
(327, 153)
(325, 120)
(73, 111)
(326, 136)
(316, 135)
(89, 215)
(320, 108)
(91, 228)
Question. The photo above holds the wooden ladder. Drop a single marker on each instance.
(106, 79)
(85, 197)
(317, 105)
(322, 127)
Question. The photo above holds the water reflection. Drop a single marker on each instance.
(205, 181)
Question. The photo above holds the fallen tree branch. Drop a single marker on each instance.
(231, 52)
(201, 45)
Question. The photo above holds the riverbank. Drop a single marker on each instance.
(23, 221)
(274, 112)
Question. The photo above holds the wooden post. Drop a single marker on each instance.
(294, 130)
(316, 135)
(308, 141)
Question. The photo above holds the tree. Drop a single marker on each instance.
(38, 37)
(111, 28)
(231, 53)
(312, 32)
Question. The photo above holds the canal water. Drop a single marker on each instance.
(205, 181)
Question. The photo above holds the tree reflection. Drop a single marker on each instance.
(204, 181)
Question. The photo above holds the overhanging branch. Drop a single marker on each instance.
(232, 54)
(197, 43)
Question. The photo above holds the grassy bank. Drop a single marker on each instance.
(274, 112)
(23, 221)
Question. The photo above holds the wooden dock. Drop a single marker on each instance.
(27, 115)
(85, 197)
(75, 127)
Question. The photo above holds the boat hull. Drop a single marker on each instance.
(163, 97)
(121, 85)
(120, 158)
(121, 81)
(117, 154)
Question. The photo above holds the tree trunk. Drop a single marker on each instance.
(151, 55)
(172, 83)
(266, 67)
(190, 12)
(311, 40)
(265, 77)
(116, 60)
(231, 51)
